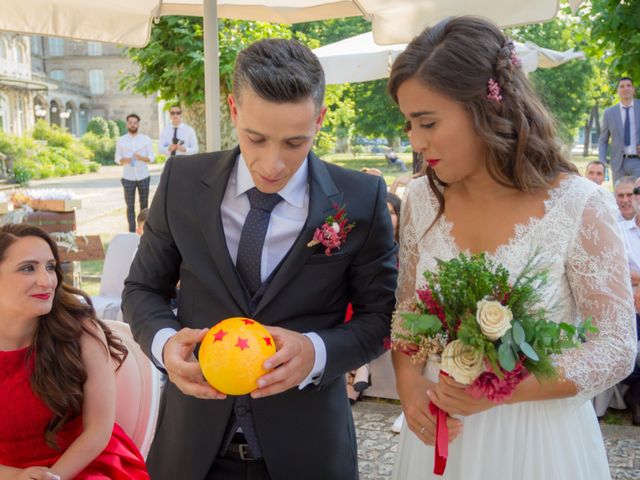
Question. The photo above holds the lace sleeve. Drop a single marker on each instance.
(598, 274)
(408, 256)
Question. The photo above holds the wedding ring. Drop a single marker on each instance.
(421, 430)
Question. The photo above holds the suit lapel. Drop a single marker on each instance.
(323, 197)
(617, 117)
(208, 199)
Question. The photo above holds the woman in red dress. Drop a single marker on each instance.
(57, 372)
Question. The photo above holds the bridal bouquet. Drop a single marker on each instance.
(488, 332)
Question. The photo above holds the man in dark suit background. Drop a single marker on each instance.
(621, 125)
(298, 424)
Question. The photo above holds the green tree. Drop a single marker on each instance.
(614, 35)
(173, 64)
(569, 91)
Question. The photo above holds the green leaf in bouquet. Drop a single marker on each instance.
(507, 338)
(506, 357)
(518, 333)
(418, 323)
(529, 351)
(568, 328)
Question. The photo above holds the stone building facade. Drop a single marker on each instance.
(67, 82)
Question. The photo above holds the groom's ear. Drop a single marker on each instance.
(233, 108)
(320, 118)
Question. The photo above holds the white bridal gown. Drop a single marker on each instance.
(543, 440)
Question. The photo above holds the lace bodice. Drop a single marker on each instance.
(578, 241)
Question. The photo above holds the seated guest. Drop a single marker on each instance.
(595, 171)
(57, 372)
(623, 191)
(631, 234)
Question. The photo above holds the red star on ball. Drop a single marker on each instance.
(219, 336)
(242, 343)
(248, 322)
(267, 340)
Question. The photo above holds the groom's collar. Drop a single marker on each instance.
(294, 191)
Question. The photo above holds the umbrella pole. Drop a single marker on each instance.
(211, 76)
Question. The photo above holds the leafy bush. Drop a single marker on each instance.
(54, 135)
(114, 131)
(103, 147)
(22, 175)
(122, 126)
(99, 126)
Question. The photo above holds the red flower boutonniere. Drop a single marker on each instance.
(333, 232)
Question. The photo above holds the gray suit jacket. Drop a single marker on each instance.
(305, 433)
(612, 128)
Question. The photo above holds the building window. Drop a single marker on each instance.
(96, 82)
(3, 50)
(36, 45)
(20, 57)
(4, 113)
(94, 48)
(56, 47)
(57, 75)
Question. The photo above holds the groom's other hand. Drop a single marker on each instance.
(183, 367)
(291, 363)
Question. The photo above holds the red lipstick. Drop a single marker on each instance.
(42, 296)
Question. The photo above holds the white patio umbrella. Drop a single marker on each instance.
(360, 59)
(129, 22)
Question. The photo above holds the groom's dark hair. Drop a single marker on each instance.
(280, 71)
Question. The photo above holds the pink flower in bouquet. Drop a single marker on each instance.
(430, 304)
(489, 385)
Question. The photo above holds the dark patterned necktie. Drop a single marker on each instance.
(252, 237)
(627, 127)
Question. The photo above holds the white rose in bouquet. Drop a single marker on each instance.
(494, 318)
(462, 362)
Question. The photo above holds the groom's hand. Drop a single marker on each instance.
(183, 368)
(291, 363)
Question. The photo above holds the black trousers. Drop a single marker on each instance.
(130, 198)
(232, 469)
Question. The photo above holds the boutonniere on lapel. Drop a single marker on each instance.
(332, 234)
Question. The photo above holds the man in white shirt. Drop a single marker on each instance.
(631, 233)
(177, 138)
(134, 152)
(237, 228)
(621, 125)
(623, 191)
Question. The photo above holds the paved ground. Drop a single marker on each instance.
(377, 444)
(103, 213)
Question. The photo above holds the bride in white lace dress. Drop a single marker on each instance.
(497, 183)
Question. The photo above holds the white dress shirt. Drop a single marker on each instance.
(286, 222)
(184, 133)
(127, 146)
(631, 234)
(631, 149)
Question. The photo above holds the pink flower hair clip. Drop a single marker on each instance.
(494, 91)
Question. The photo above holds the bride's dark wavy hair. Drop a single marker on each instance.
(456, 58)
(59, 374)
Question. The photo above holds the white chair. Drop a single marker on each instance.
(117, 262)
(138, 388)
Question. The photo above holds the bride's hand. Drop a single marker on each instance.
(451, 397)
(415, 405)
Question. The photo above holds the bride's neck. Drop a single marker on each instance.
(480, 188)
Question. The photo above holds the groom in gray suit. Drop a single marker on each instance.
(621, 124)
(235, 227)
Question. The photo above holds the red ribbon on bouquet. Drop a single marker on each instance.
(441, 448)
